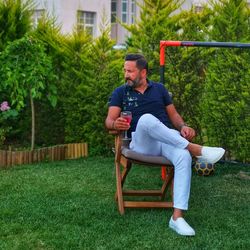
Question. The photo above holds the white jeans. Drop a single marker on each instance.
(152, 137)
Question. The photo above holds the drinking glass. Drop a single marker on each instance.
(128, 116)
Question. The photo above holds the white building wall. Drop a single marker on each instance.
(118, 33)
(65, 11)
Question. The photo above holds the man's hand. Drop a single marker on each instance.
(188, 133)
(121, 124)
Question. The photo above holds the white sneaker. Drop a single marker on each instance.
(211, 154)
(181, 227)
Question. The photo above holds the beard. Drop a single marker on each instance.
(133, 83)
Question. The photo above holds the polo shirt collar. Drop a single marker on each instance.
(150, 84)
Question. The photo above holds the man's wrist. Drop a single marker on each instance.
(113, 125)
(182, 125)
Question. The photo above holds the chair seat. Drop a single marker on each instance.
(150, 159)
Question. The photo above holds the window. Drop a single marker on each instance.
(124, 11)
(198, 9)
(133, 11)
(37, 16)
(113, 11)
(197, 6)
(86, 21)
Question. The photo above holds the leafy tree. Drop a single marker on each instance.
(5, 113)
(50, 129)
(15, 22)
(28, 72)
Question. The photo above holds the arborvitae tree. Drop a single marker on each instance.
(49, 32)
(107, 65)
(158, 21)
(185, 66)
(226, 103)
(15, 20)
(92, 69)
(226, 99)
(230, 21)
(74, 80)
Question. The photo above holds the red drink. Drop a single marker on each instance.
(127, 115)
(128, 118)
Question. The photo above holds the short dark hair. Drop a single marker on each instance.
(141, 62)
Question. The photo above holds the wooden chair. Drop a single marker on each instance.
(124, 160)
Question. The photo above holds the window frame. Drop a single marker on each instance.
(124, 12)
(113, 11)
(86, 20)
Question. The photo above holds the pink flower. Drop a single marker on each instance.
(4, 106)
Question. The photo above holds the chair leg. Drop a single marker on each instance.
(126, 169)
(125, 172)
(172, 190)
(168, 180)
(119, 188)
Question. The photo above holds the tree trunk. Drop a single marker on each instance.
(32, 121)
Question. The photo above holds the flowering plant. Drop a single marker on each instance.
(5, 113)
(4, 106)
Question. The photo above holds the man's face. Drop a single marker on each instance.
(133, 75)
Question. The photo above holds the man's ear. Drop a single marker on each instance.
(144, 72)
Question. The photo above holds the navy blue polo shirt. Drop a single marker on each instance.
(153, 101)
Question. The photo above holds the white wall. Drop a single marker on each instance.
(66, 11)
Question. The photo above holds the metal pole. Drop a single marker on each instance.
(164, 44)
(162, 63)
(205, 44)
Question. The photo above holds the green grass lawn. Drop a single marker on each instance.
(70, 205)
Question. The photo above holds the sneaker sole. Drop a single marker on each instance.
(179, 232)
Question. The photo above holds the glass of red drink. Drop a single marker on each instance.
(128, 116)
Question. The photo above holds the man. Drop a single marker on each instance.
(153, 115)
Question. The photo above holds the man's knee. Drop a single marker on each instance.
(147, 121)
(146, 117)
